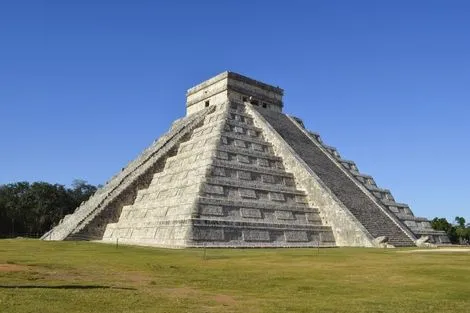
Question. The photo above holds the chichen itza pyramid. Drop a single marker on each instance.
(238, 172)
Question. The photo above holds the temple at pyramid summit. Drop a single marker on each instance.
(238, 172)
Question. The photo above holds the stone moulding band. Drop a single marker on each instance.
(258, 205)
(231, 85)
(237, 77)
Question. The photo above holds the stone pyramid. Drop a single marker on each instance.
(237, 172)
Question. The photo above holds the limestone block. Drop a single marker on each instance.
(211, 210)
(243, 159)
(252, 133)
(250, 213)
(214, 189)
(313, 218)
(289, 182)
(247, 193)
(425, 225)
(244, 175)
(268, 179)
(296, 236)
(256, 235)
(185, 211)
(122, 233)
(144, 233)
(262, 195)
(157, 212)
(274, 196)
(240, 143)
(257, 147)
(327, 236)
(222, 155)
(208, 234)
(238, 129)
(110, 228)
(301, 199)
(218, 171)
(411, 224)
(263, 162)
(284, 215)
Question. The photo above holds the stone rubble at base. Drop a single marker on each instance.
(237, 172)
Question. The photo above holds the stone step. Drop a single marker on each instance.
(257, 225)
(248, 152)
(245, 126)
(252, 168)
(245, 138)
(229, 182)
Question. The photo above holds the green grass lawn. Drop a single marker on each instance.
(37, 276)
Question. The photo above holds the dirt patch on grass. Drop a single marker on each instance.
(225, 300)
(13, 268)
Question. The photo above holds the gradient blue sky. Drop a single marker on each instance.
(86, 85)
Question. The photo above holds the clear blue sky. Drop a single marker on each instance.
(86, 85)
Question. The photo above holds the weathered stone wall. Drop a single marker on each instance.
(225, 86)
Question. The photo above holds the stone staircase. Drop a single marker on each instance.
(368, 212)
(419, 226)
(121, 189)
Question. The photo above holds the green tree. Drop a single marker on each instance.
(441, 223)
(81, 191)
(462, 232)
(460, 221)
(11, 196)
(32, 209)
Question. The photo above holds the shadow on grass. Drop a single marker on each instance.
(64, 287)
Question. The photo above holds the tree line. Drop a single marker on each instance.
(459, 232)
(31, 209)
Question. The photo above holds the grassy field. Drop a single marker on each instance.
(67, 277)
